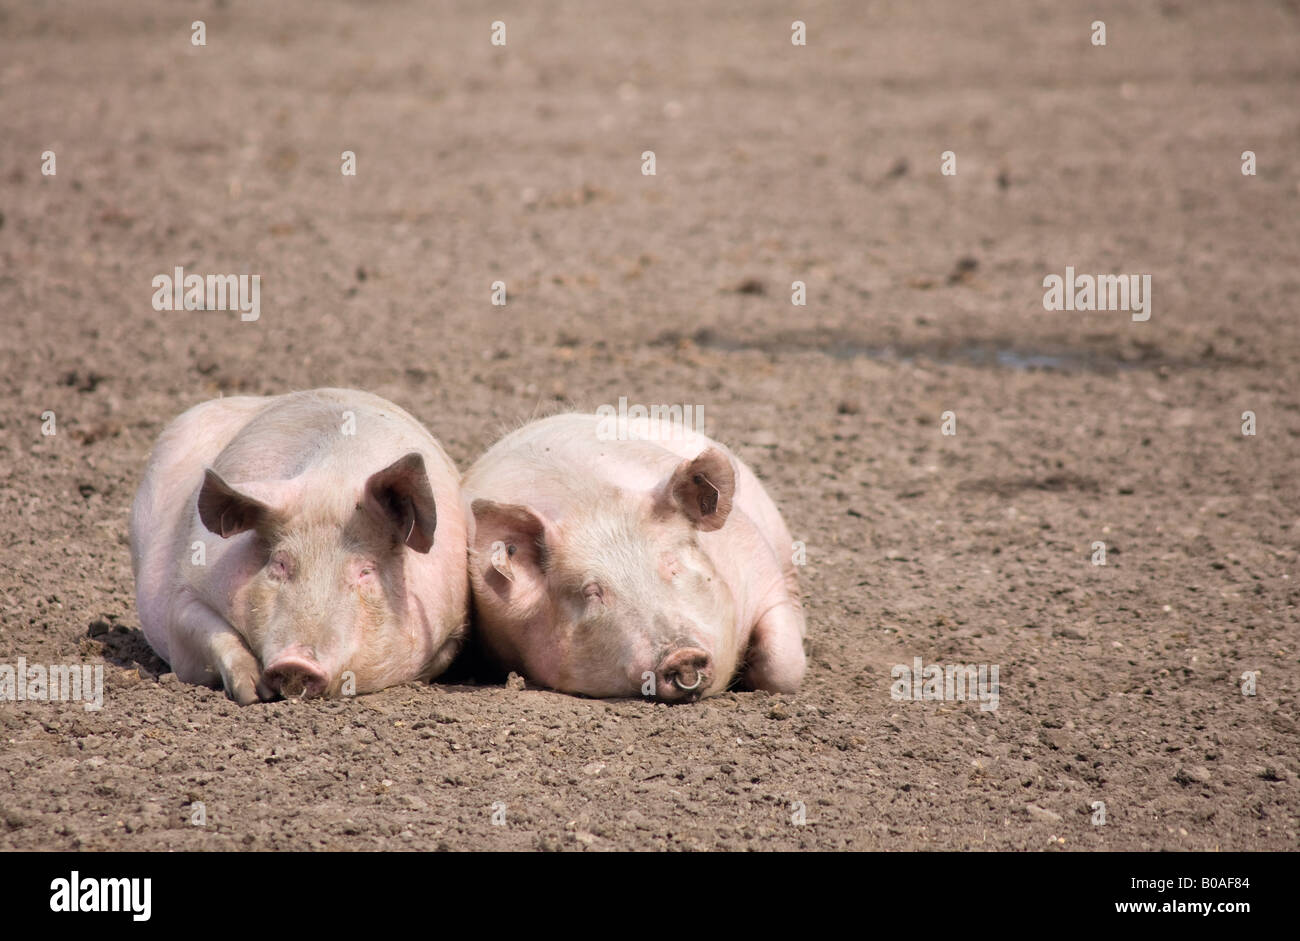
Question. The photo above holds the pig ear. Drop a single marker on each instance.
(702, 488)
(509, 539)
(402, 495)
(228, 512)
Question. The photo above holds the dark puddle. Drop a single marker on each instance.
(987, 354)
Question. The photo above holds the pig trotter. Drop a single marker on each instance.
(242, 678)
(223, 651)
(776, 657)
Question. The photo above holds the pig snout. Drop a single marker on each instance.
(295, 672)
(683, 675)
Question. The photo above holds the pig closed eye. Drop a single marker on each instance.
(592, 592)
(280, 567)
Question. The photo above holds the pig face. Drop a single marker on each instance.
(320, 590)
(618, 598)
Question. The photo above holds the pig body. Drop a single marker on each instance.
(281, 543)
(656, 565)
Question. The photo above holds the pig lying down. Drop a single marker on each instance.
(655, 567)
(300, 545)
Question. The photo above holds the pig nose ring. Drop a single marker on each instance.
(677, 681)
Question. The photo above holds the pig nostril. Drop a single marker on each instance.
(295, 686)
(296, 679)
(677, 681)
(687, 669)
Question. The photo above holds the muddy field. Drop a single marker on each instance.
(1120, 683)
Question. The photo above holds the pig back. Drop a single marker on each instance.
(550, 462)
(348, 432)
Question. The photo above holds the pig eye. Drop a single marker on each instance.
(592, 590)
(279, 567)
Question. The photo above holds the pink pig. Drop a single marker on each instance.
(655, 567)
(302, 544)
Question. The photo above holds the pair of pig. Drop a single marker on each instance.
(322, 542)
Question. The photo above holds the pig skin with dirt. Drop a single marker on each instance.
(332, 542)
(609, 568)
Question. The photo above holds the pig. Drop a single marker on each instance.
(655, 566)
(299, 545)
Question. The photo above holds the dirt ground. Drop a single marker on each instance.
(1119, 683)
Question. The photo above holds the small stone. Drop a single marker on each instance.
(1042, 814)
(748, 286)
(1195, 774)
